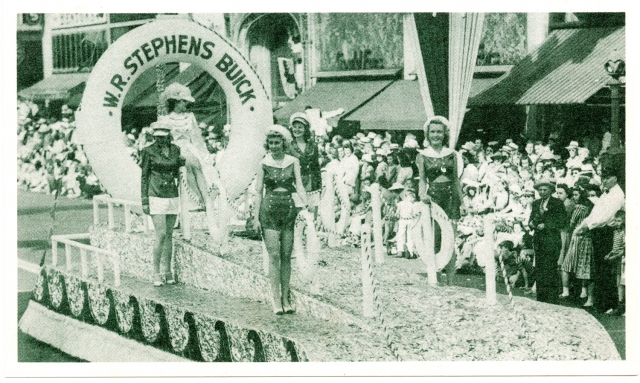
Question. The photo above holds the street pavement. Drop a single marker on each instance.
(76, 215)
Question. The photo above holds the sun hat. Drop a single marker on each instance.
(371, 135)
(177, 91)
(367, 157)
(468, 146)
(396, 186)
(492, 143)
(299, 117)
(377, 141)
(573, 145)
(546, 156)
(587, 168)
(549, 182)
(365, 140)
(360, 135)
(513, 146)
(281, 130)
(160, 129)
(394, 146)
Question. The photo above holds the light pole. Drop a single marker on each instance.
(615, 69)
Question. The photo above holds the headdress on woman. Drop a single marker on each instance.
(281, 130)
(160, 129)
(438, 119)
(299, 117)
(177, 91)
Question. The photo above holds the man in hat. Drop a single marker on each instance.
(573, 159)
(597, 224)
(549, 221)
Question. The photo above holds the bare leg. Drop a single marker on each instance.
(286, 246)
(272, 243)
(589, 301)
(168, 247)
(160, 227)
(565, 284)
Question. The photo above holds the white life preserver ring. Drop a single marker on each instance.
(98, 121)
(423, 237)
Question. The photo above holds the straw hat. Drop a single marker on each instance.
(177, 91)
(396, 186)
(549, 182)
(573, 145)
(546, 156)
(281, 130)
(468, 146)
(513, 146)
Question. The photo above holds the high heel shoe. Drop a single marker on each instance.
(288, 308)
(158, 280)
(277, 309)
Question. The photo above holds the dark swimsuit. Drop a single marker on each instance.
(442, 193)
(277, 210)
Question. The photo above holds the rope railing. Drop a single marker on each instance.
(70, 242)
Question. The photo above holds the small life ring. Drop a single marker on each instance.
(423, 235)
(306, 252)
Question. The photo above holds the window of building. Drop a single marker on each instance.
(358, 41)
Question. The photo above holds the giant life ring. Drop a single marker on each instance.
(423, 237)
(98, 121)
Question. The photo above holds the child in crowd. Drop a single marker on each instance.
(617, 255)
(406, 213)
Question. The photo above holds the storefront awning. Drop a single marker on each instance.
(567, 68)
(56, 87)
(400, 107)
(332, 95)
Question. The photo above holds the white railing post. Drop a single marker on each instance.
(112, 223)
(490, 264)
(98, 257)
(184, 206)
(127, 218)
(116, 269)
(54, 252)
(67, 255)
(367, 278)
(96, 211)
(376, 206)
(83, 263)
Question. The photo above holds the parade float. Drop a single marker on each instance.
(94, 298)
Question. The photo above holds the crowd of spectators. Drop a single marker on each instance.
(498, 178)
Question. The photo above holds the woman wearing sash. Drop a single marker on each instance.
(440, 168)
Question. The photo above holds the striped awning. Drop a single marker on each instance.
(567, 68)
(56, 87)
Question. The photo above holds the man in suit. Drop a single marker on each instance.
(549, 221)
(598, 225)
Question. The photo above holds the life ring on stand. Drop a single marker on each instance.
(306, 250)
(423, 235)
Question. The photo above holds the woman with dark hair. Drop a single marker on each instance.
(440, 168)
(393, 166)
(580, 251)
(160, 164)
(305, 150)
(188, 137)
(278, 178)
(405, 173)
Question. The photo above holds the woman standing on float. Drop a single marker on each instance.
(160, 164)
(278, 178)
(439, 168)
(201, 174)
(305, 150)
